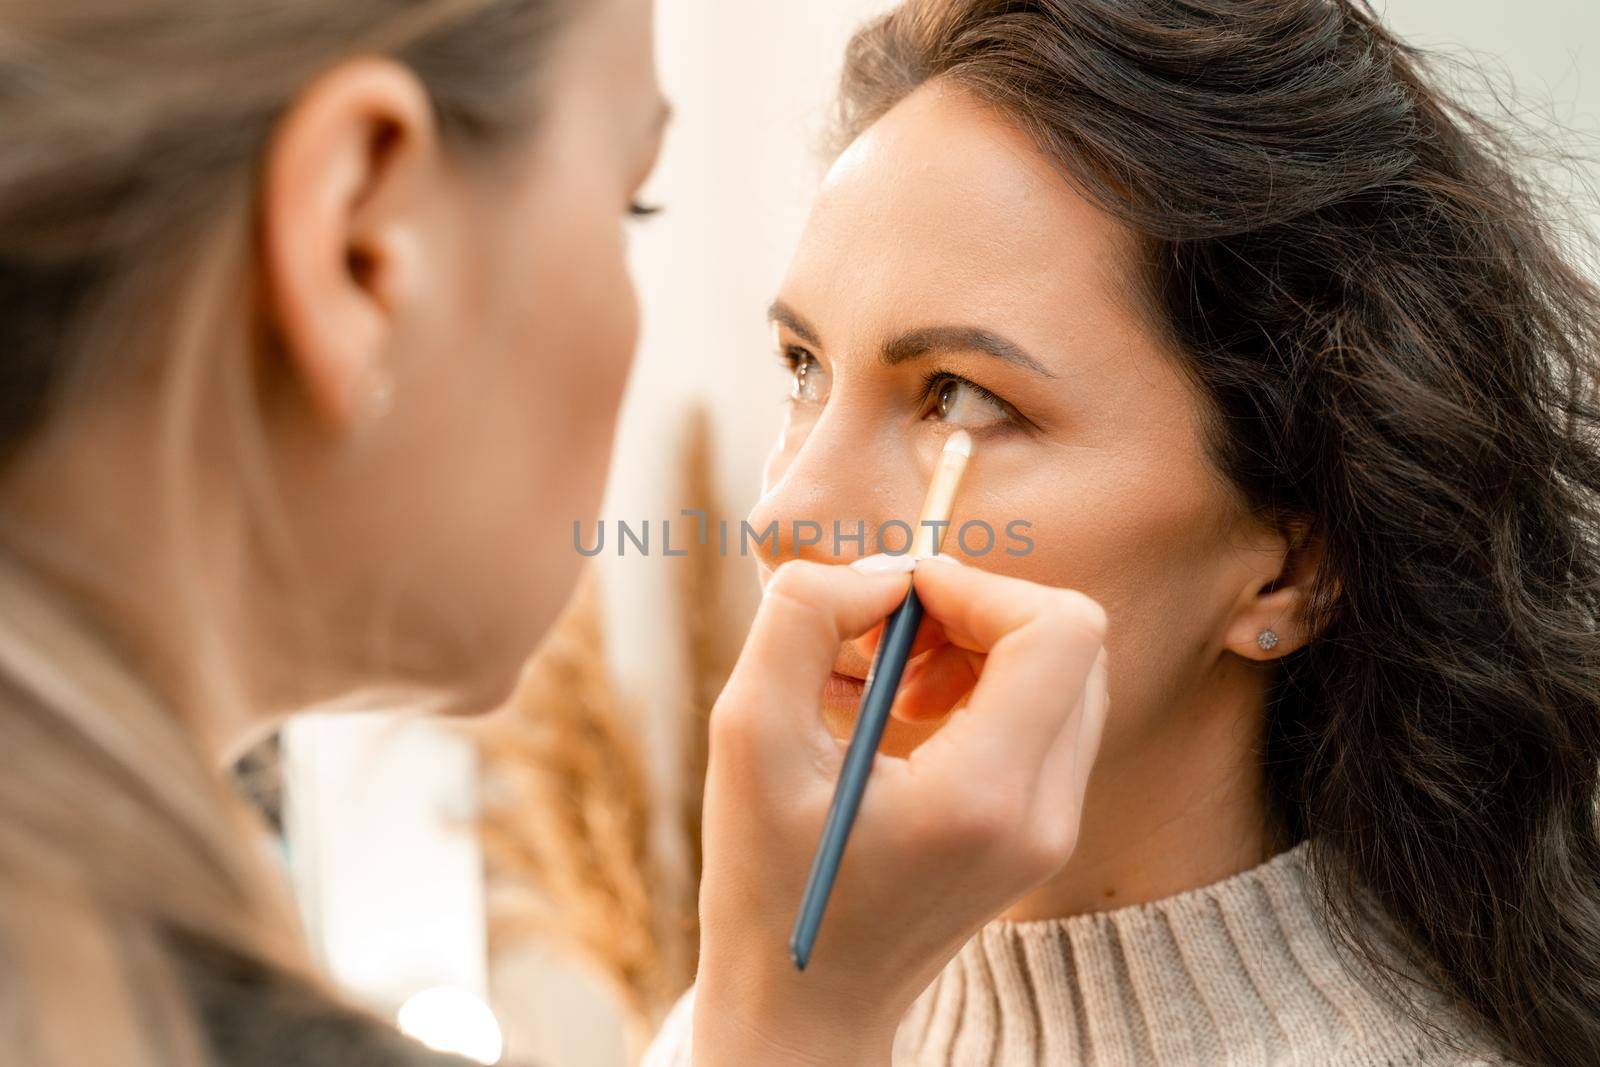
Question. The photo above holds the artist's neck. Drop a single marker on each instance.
(1179, 807)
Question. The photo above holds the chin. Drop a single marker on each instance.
(480, 673)
(483, 695)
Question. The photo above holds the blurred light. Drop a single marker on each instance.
(453, 1020)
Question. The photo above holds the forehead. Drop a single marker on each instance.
(943, 207)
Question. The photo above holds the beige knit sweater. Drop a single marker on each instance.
(1236, 973)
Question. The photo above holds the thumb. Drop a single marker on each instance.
(773, 697)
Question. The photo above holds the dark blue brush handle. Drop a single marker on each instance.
(883, 680)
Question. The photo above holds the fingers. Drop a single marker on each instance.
(930, 635)
(1040, 644)
(807, 610)
(981, 607)
(935, 681)
(1064, 778)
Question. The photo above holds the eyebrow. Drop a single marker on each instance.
(790, 319)
(915, 344)
(924, 341)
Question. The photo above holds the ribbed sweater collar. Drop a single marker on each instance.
(1239, 972)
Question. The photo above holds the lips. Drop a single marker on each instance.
(841, 700)
(841, 694)
(851, 663)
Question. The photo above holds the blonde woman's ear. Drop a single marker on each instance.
(342, 210)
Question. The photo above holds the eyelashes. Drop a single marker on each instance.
(944, 391)
(810, 382)
(943, 395)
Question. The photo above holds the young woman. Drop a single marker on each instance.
(1271, 343)
(315, 323)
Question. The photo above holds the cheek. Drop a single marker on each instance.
(577, 323)
(573, 323)
(1148, 539)
(1151, 545)
(525, 406)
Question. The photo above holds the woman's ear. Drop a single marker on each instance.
(1269, 621)
(343, 187)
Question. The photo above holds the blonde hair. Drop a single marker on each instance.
(134, 131)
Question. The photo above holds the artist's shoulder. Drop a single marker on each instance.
(673, 1041)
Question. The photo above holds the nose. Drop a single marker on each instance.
(841, 493)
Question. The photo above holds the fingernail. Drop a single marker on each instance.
(939, 557)
(883, 563)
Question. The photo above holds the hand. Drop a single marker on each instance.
(979, 814)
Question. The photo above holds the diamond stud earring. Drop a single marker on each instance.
(1267, 639)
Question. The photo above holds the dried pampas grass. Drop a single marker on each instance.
(566, 827)
(573, 825)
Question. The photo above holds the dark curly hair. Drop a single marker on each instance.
(1399, 353)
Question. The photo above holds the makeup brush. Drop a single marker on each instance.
(883, 681)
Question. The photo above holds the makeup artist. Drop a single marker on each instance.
(316, 321)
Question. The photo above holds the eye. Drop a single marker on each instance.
(956, 400)
(810, 383)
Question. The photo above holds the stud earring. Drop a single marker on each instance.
(375, 397)
(1267, 639)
